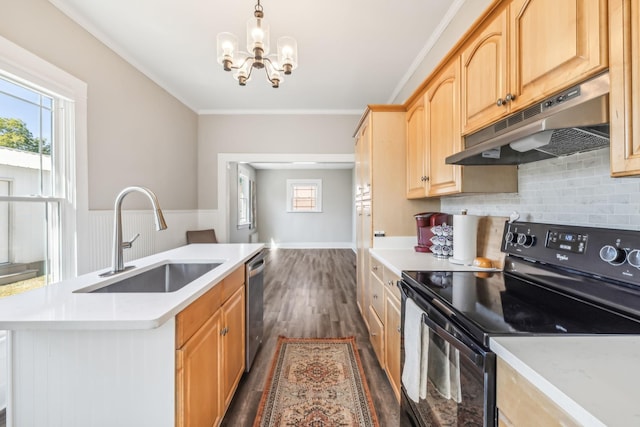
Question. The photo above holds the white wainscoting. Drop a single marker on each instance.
(3, 370)
(66, 378)
(100, 237)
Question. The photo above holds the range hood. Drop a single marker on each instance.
(572, 121)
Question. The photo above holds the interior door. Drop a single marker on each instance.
(4, 222)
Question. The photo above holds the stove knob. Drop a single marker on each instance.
(613, 255)
(511, 237)
(526, 240)
(633, 258)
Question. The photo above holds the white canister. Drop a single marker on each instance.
(465, 238)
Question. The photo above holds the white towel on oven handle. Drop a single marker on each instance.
(416, 348)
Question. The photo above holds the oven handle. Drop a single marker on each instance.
(477, 359)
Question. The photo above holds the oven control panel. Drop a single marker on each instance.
(609, 253)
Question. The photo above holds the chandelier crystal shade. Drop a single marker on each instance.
(284, 61)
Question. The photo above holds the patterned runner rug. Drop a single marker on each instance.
(316, 382)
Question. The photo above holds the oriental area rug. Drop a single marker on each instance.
(316, 382)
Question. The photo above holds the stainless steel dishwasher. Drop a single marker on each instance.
(254, 273)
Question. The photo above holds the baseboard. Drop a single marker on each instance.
(310, 245)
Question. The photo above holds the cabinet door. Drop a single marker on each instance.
(442, 124)
(555, 44)
(376, 335)
(233, 343)
(416, 152)
(484, 75)
(198, 400)
(624, 98)
(392, 342)
(377, 295)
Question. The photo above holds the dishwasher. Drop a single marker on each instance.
(254, 273)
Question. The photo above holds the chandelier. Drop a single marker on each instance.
(258, 57)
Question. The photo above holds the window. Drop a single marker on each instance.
(39, 128)
(304, 195)
(244, 201)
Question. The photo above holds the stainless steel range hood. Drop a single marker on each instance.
(572, 121)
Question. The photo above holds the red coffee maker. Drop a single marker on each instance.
(424, 222)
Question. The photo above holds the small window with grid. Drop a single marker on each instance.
(304, 195)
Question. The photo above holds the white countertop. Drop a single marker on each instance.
(57, 306)
(398, 260)
(594, 379)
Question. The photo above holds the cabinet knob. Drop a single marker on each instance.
(375, 296)
(390, 283)
(398, 329)
(375, 268)
(500, 102)
(509, 97)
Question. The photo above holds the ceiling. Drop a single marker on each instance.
(351, 52)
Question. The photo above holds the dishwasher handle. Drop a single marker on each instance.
(257, 268)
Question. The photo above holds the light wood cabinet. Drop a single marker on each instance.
(392, 339)
(376, 335)
(522, 54)
(380, 204)
(437, 135)
(416, 151)
(384, 320)
(485, 73)
(521, 404)
(624, 73)
(232, 343)
(198, 367)
(210, 352)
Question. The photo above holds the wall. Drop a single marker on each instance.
(575, 189)
(138, 133)
(286, 133)
(463, 20)
(330, 228)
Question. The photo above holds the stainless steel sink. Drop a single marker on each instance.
(165, 278)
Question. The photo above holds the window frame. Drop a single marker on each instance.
(70, 188)
(292, 183)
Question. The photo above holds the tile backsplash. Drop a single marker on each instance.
(576, 189)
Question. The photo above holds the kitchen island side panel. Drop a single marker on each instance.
(101, 378)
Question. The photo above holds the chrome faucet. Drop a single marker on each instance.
(118, 244)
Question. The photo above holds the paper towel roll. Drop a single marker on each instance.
(465, 238)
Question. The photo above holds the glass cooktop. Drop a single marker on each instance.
(496, 303)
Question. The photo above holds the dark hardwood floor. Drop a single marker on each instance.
(311, 293)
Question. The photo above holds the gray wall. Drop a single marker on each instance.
(290, 134)
(330, 228)
(137, 132)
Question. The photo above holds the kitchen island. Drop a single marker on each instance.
(104, 359)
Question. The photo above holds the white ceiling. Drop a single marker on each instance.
(351, 52)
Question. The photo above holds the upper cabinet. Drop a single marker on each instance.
(484, 74)
(528, 50)
(624, 97)
(434, 133)
(442, 130)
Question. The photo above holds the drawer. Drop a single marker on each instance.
(390, 280)
(189, 320)
(376, 268)
(377, 296)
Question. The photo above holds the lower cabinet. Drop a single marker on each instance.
(384, 321)
(210, 353)
(521, 404)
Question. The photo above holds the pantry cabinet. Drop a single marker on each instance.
(210, 352)
(521, 404)
(624, 72)
(434, 133)
(528, 50)
(380, 204)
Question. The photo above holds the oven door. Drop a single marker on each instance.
(457, 376)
